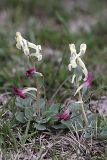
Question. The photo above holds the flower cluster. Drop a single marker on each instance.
(25, 45)
(76, 61)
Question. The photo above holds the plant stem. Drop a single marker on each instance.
(37, 94)
(37, 100)
(82, 107)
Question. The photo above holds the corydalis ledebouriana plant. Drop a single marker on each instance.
(25, 45)
(79, 69)
(76, 61)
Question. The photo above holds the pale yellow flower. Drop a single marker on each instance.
(75, 60)
(25, 45)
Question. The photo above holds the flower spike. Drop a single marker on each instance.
(25, 45)
(75, 60)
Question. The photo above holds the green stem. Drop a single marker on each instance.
(37, 101)
(37, 109)
(82, 107)
(44, 89)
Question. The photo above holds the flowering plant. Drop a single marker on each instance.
(30, 105)
(80, 69)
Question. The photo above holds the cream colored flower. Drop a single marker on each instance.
(25, 45)
(75, 60)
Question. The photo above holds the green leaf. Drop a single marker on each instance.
(52, 111)
(67, 123)
(53, 119)
(92, 118)
(42, 103)
(48, 114)
(22, 103)
(59, 126)
(39, 127)
(76, 121)
(43, 121)
(29, 113)
(54, 108)
(74, 107)
(20, 117)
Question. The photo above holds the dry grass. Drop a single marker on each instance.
(60, 146)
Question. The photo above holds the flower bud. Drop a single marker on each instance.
(83, 49)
